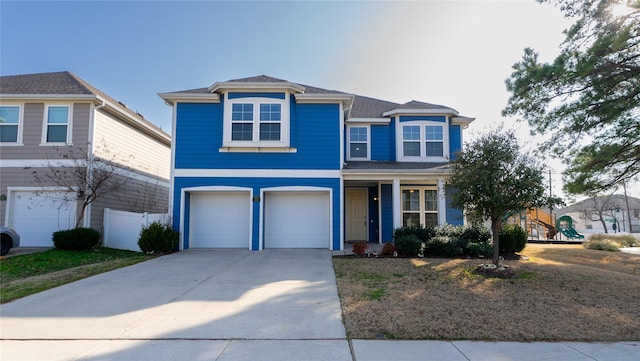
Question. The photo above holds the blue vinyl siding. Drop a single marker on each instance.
(315, 133)
(386, 201)
(455, 216)
(383, 142)
(256, 95)
(256, 184)
(432, 118)
(455, 140)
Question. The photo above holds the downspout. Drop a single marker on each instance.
(90, 158)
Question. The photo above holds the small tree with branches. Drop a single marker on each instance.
(84, 177)
(492, 178)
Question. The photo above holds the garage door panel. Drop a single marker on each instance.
(297, 220)
(36, 215)
(219, 220)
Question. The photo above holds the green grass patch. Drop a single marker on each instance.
(375, 294)
(31, 273)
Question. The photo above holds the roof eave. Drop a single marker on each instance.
(463, 121)
(442, 111)
(149, 129)
(345, 99)
(172, 98)
(253, 86)
(48, 96)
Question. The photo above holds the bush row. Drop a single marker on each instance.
(456, 241)
(155, 238)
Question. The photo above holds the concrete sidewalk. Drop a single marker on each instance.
(229, 305)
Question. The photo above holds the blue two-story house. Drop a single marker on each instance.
(266, 163)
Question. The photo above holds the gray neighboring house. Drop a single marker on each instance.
(613, 208)
(57, 119)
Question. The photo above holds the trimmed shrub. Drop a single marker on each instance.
(512, 239)
(478, 249)
(359, 248)
(448, 230)
(76, 239)
(601, 245)
(476, 234)
(408, 245)
(388, 249)
(423, 234)
(158, 238)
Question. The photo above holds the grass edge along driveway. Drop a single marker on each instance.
(23, 275)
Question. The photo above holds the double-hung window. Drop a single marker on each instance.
(422, 141)
(256, 123)
(358, 143)
(9, 123)
(57, 124)
(419, 206)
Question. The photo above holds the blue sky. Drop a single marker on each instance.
(455, 53)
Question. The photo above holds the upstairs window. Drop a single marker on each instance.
(9, 124)
(256, 122)
(358, 143)
(423, 142)
(57, 124)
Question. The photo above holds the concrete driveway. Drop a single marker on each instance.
(240, 302)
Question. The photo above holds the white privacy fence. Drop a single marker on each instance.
(122, 229)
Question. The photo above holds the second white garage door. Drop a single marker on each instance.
(297, 220)
(219, 220)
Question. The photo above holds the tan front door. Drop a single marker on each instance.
(356, 214)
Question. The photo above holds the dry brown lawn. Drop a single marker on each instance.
(562, 293)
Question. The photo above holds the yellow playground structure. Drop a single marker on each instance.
(542, 225)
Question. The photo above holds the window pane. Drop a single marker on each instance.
(9, 115)
(434, 149)
(431, 200)
(270, 131)
(433, 132)
(358, 150)
(411, 132)
(358, 134)
(411, 149)
(57, 133)
(270, 112)
(58, 115)
(410, 200)
(8, 133)
(242, 131)
(411, 219)
(430, 219)
(240, 111)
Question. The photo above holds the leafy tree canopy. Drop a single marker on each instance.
(493, 178)
(588, 98)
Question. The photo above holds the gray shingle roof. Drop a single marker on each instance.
(376, 165)
(362, 107)
(62, 83)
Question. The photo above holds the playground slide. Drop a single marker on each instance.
(571, 233)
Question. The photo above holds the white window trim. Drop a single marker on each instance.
(256, 143)
(422, 158)
(45, 123)
(18, 141)
(368, 157)
(422, 211)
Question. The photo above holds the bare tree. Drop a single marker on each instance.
(84, 177)
(597, 208)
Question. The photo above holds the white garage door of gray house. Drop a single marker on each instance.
(297, 219)
(36, 215)
(220, 220)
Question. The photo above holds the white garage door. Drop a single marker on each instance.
(37, 215)
(297, 220)
(219, 220)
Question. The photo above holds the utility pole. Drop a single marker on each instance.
(626, 200)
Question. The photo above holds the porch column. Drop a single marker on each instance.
(397, 210)
(442, 203)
